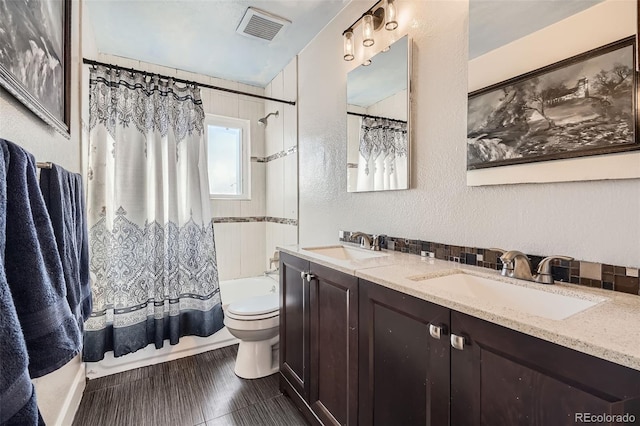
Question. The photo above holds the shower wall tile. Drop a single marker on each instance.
(274, 234)
(275, 188)
(228, 249)
(290, 77)
(253, 111)
(226, 208)
(290, 234)
(252, 249)
(290, 186)
(290, 123)
(225, 104)
(274, 136)
(279, 235)
(228, 84)
(256, 206)
(277, 86)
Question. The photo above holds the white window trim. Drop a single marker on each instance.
(245, 163)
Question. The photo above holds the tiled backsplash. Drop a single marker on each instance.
(246, 219)
(590, 274)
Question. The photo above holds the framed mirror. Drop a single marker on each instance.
(378, 112)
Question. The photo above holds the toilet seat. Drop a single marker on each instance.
(255, 308)
(252, 317)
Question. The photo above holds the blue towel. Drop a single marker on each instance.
(63, 195)
(34, 270)
(17, 397)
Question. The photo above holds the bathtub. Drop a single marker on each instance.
(242, 288)
(230, 291)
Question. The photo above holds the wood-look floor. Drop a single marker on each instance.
(197, 390)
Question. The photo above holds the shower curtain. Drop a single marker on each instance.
(152, 251)
(382, 163)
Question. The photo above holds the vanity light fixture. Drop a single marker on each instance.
(348, 45)
(367, 62)
(392, 21)
(382, 13)
(367, 30)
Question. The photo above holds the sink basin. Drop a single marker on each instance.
(346, 253)
(524, 299)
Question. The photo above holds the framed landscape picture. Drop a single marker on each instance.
(35, 57)
(584, 105)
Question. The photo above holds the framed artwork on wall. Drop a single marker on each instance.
(584, 105)
(35, 56)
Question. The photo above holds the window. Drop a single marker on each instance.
(228, 155)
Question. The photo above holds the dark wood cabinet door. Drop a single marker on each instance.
(503, 377)
(334, 346)
(294, 323)
(404, 371)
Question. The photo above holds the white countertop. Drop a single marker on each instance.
(608, 330)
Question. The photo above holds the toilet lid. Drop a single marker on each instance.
(258, 305)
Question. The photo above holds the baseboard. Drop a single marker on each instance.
(72, 400)
(188, 346)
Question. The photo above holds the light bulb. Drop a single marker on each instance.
(367, 30)
(392, 22)
(348, 45)
(367, 62)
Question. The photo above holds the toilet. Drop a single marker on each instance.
(255, 321)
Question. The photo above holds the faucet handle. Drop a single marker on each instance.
(544, 269)
(377, 242)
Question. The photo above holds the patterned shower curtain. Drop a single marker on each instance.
(152, 251)
(382, 163)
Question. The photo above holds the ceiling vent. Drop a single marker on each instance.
(262, 25)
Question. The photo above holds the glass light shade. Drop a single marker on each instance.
(348, 46)
(392, 21)
(367, 30)
(367, 62)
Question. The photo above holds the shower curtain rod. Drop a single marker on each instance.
(180, 80)
(375, 117)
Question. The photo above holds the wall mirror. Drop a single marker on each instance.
(378, 134)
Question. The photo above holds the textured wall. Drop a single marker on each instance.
(597, 221)
(20, 125)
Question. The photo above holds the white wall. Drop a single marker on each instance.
(281, 136)
(395, 106)
(58, 393)
(597, 221)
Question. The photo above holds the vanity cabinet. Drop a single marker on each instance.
(502, 377)
(353, 352)
(404, 369)
(294, 324)
(334, 346)
(319, 340)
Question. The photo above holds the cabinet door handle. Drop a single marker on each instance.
(437, 331)
(310, 277)
(457, 342)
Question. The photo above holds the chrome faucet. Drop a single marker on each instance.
(367, 242)
(516, 264)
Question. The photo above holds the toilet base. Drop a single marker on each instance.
(257, 359)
